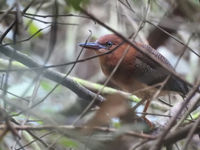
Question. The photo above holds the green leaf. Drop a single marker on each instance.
(116, 125)
(76, 3)
(68, 143)
(33, 29)
(46, 85)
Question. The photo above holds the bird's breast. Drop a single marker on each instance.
(126, 75)
(123, 76)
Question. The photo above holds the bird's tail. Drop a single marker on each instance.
(180, 86)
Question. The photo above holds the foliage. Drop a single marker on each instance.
(49, 92)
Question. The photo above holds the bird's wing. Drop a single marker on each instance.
(148, 73)
(151, 73)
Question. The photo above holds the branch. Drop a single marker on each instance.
(179, 134)
(81, 91)
(173, 137)
(71, 127)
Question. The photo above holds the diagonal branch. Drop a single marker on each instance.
(81, 91)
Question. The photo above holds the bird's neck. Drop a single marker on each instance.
(108, 63)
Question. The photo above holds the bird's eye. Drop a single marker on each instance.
(109, 44)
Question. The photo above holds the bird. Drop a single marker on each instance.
(136, 71)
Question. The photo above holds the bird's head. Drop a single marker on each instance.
(107, 43)
(103, 44)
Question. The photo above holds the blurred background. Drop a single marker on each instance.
(49, 32)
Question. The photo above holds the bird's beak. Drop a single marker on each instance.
(92, 45)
